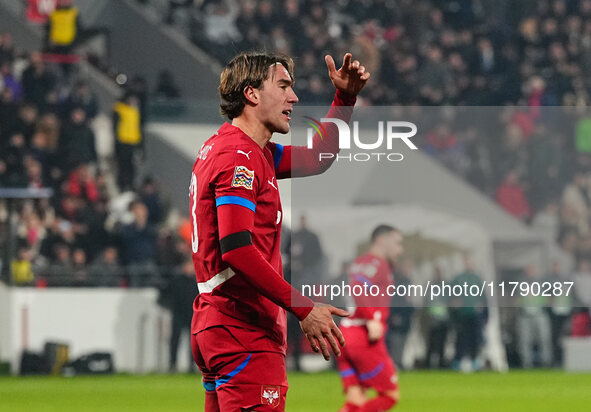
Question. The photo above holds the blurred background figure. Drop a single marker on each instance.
(63, 27)
(534, 325)
(22, 269)
(178, 297)
(306, 256)
(560, 311)
(138, 240)
(438, 326)
(129, 143)
(106, 270)
(401, 313)
(305, 268)
(469, 315)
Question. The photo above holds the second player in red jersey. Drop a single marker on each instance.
(365, 362)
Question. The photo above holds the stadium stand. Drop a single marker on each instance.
(460, 53)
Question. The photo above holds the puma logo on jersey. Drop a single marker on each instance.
(271, 182)
(205, 149)
(244, 153)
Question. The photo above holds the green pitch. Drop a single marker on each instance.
(550, 391)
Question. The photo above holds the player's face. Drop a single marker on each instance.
(277, 99)
(393, 244)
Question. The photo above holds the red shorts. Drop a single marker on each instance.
(241, 378)
(366, 364)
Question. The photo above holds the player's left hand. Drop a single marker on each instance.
(350, 78)
(375, 330)
(319, 328)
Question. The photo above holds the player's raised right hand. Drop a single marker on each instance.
(319, 327)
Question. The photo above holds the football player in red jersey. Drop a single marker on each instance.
(365, 362)
(239, 322)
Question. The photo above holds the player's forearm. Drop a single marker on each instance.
(250, 263)
(235, 225)
(301, 161)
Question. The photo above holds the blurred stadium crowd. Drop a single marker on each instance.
(102, 230)
(461, 53)
(99, 228)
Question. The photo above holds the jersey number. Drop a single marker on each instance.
(193, 198)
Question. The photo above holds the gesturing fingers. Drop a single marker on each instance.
(323, 347)
(312, 343)
(347, 61)
(333, 343)
(330, 64)
(337, 333)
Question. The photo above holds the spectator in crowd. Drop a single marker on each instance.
(81, 185)
(79, 268)
(78, 143)
(60, 271)
(8, 114)
(138, 86)
(81, 97)
(22, 268)
(129, 143)
(138, 240)
(166, 87)
(574, 207)
(34, 172)
(560, 311)
(511, 196)
(438, 325)
(305, 269)
(534, 324)
(9, 81)
(25, 123)
(63, 28)
(96, 237)
(150, 195)
(400, 314)
(106, 269)
(7, 50)
(37, 80)
(172, 249)
(469, 315)
(306, 256)
(294, 332)
(443, 144)
(179, 295)
(547, 223)
(13, 159)
(173, 6)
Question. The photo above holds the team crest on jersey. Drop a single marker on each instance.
(243, 177)
(270, 395)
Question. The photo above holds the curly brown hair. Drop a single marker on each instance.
(247, 69)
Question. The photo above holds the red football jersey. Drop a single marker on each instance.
(233, 169)
(374, 271)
